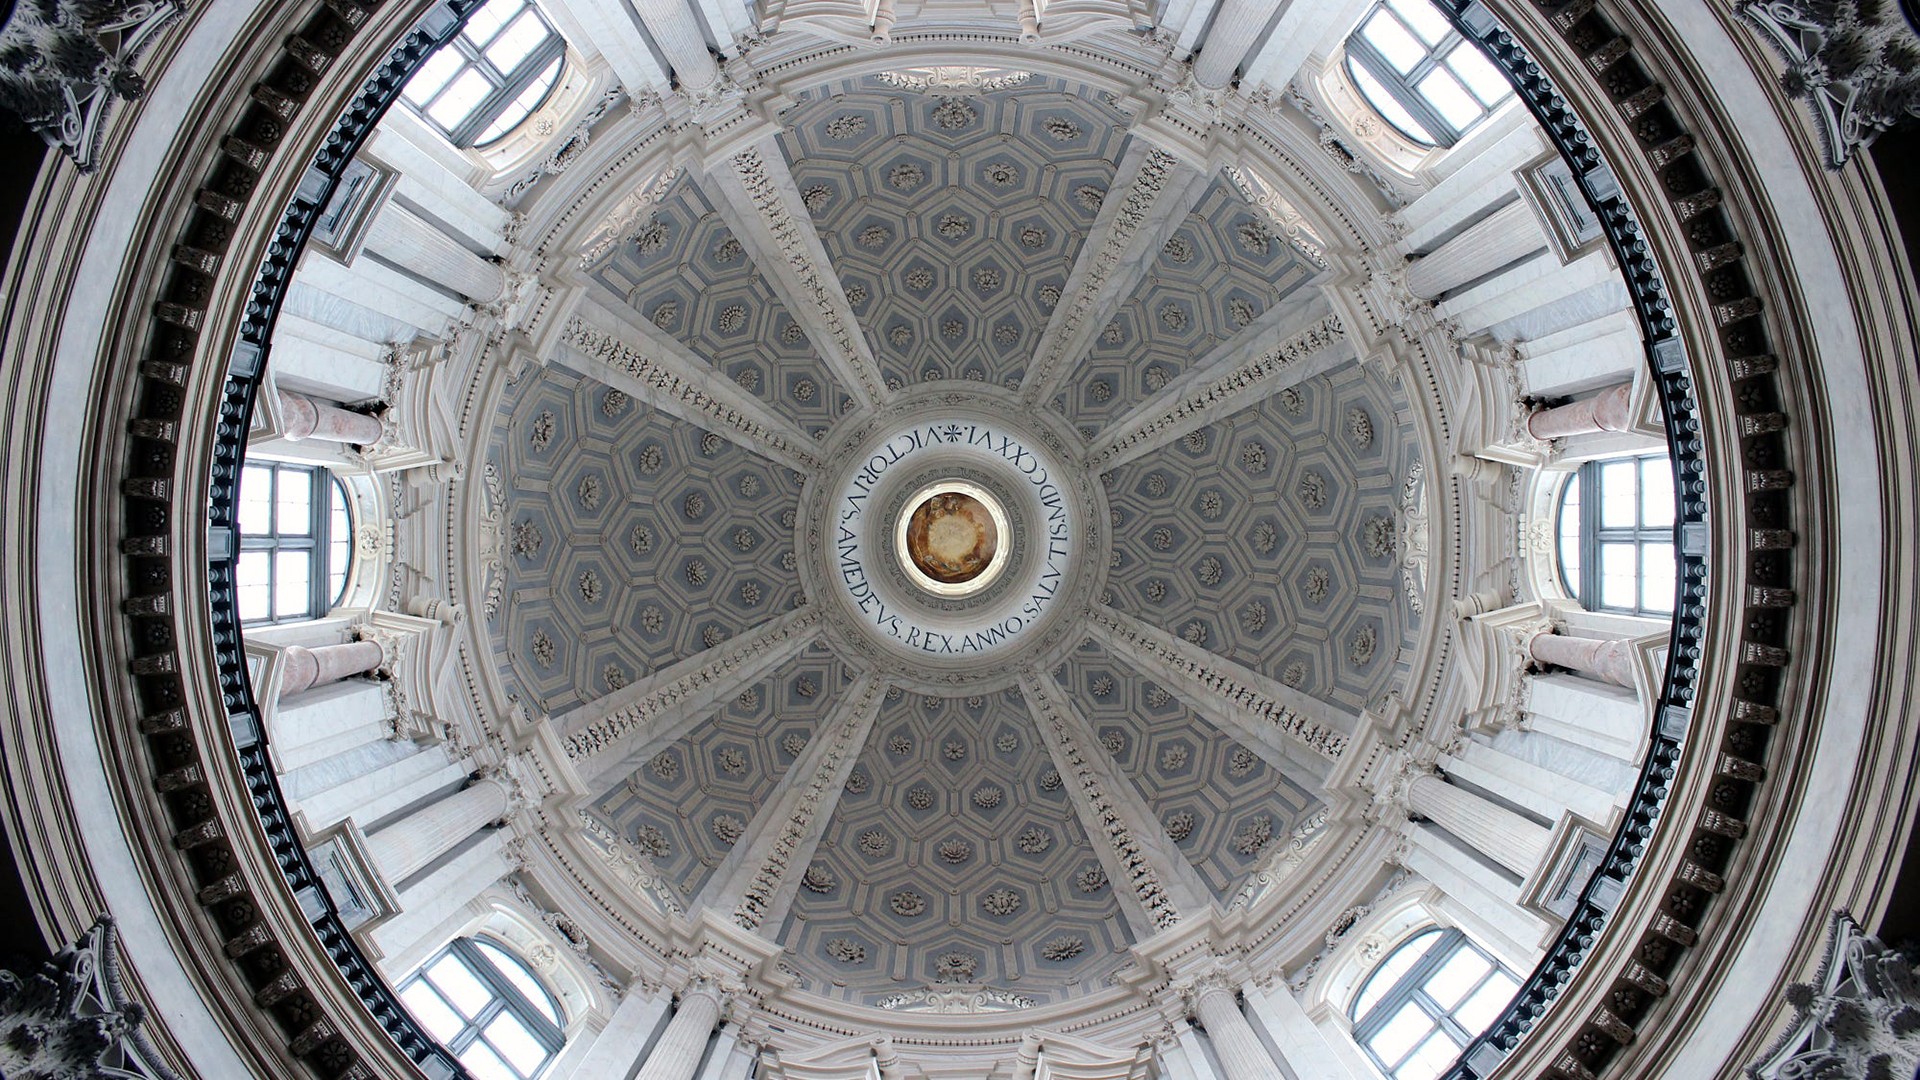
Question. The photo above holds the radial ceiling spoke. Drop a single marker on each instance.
(756, 194)
(1144, 863)
(1284, 348)
(1299, 734)
(634, 356)
(1151, 195)
(607, 738)
(759, 879)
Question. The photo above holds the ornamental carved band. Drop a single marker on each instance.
(1140, 873)
(1147, 185)
(607, 731)
(1186, 413)
(591, 341)
(824, 785)
(1324, 741)
(790, 235)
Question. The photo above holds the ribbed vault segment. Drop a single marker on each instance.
(953, 221)
(633, 539)
(1222, 269)
(955, 802)
(686, 273)
(1216, 798)
(1272, 537)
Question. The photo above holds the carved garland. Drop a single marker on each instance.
(1183, 415)
(600, 345)
(1141, 195)
(1140, 873)
(772, 206)
(824, 787)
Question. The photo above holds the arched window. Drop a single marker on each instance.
(491, 76)
(1420, 74)
(488, 1009)
(1426, 1001)
(296, 542)
(1616, 536)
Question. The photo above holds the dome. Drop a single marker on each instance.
(818, 541)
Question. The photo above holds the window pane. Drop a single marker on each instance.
(484, 1064)
(1486, 1003)
(431, 1010)
(1421, 16)
(489, 19)
(512, 46)
(256, 501)
(1390, 970)
(1618, 505)
(516, 973)
(294, 503)
(1461, 973)
(1398, 47)
(432, 76)
(530, 98)
(1432, 1059)
(292, 584)
(1619, 576)
(460, 99)
(1656, 577)
(1448, 97)
(1481, 77)
(1570, 535)
(1384, 104)
(515, 1043)
(467, 993)
(253, 577)
(1408, 1026)
(1656, 492)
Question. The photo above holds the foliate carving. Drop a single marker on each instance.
(821, 792)
(1855, 62)
(1000, 902)
(1148, 183)
(603, 346)
(1213, 676)
(67, 61)
(1063, 948)
(1126, 847)
(627, 218)
(818, 879)
(791, 235)
(955, 966)
(907, 903)
(955, 852)
(606, 731)
(73, 1018)
(1227, 393)
(1858, 1019)
(845, 951)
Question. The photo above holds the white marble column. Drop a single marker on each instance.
(405, 238)
(1609, 410)
(378, 778)
(677, 1054)
(407, 846)
(1489, 828)
(1584, 358)
(303, 417)
(1477, 183)
(1303, 27)
(615, 1053)
(730, 1060)
(1235, 25)
(435, 905)
(304, 668)
(1234, 1043)
(316, 725)
(675, 31)
(1529, 286)
(1310, 1053)
(1486, 905)
(1508, 233)
(1536, 788)
(1610, 660)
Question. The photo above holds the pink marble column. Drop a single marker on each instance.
(306, 418)
(1609, 410)
(303, 668)
(1610, 660)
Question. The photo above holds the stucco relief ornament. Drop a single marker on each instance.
(907, 903)
(1000, 902)
(955, 966)
(1855, 63)
(72, 1017)
(1859, 1019)
(818, 879)
(67, 62)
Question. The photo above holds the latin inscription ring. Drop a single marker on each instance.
(974, 465)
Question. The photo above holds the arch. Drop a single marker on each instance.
(1420, 75)
(497, 71)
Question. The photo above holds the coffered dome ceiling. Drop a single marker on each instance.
(1269, 536)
